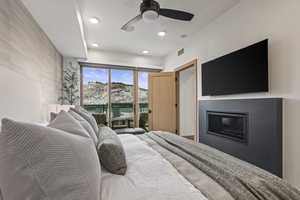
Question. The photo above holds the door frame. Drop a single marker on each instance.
(177, 71)
(135, 91)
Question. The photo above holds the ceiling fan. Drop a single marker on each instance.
(150, 11)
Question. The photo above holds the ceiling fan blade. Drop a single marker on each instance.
(176, 14)
(129, 26)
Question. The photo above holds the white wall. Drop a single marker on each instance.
(187, 101)
(30, 66)
(247, 23)
(123, 59)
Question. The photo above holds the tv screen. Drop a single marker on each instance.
(243, 71)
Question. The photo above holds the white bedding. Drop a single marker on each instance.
(149, 176)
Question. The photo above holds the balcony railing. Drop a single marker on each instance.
(117, 108)
(122, 114)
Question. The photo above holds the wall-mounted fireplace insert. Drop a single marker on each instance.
(229, 125)
(249, 129)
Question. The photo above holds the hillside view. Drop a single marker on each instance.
(96, 93)
(122, 111)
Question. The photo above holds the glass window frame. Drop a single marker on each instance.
(136, 109)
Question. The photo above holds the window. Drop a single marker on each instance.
(116, 97)
(122, 98)
(95, 90)
(143, 99)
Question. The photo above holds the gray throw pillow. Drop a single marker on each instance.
(111, 152)
(65, 122)
(85, 125)
(39, 162)
(87, 116)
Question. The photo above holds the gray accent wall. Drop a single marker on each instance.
(29, 62)
(262, 130)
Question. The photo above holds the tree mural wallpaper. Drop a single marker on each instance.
(71, 83)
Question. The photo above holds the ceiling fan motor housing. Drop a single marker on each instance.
(149, 5)
(150, 12)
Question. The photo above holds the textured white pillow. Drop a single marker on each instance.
(65, 122)
(45, 163)
(88, 117)
(85, 125)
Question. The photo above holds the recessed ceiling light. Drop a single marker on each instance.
(162, 33)
(95, 45)
(94, 20)
(145, 52)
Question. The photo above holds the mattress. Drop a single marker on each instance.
(163, 166)
(148, 176)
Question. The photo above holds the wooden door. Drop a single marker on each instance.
(162, 102)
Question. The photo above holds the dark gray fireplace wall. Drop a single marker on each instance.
(264, 142)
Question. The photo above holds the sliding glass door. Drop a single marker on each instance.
(118, 98)
(95, 93)
(122, 99)
(143, 100)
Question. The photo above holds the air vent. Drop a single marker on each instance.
(180, 52)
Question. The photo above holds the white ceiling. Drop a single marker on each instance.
(115, 13)
(61, 22)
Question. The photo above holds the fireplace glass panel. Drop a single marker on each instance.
(229, 125)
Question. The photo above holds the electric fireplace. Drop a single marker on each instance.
(229, 125)
(249, 129)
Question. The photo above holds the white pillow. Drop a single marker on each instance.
(65, 122)
(88, 117)
(86, 125)
(45, 163)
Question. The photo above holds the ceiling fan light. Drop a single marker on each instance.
(94, 20)
(150, 16)
(162, 34)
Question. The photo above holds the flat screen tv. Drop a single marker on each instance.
(243, 71)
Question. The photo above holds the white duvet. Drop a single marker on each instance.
(149, 177)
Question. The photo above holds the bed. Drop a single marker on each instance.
(52, 163)
(165, 166)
